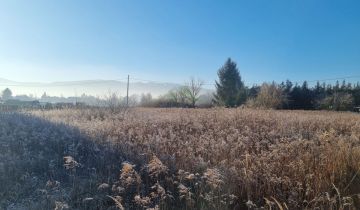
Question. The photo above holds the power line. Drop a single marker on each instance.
(127, 91)
(332, 79)
(153, 81)
(146, 80)
(309, 81)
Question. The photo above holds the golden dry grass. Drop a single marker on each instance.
(296, 157)
(226, 158)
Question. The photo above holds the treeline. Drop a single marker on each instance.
(231, 92)
(286, 95)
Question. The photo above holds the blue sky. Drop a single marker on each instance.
(173, 40)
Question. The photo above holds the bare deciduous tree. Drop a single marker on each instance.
(182, 94)
(174, 96)
(146, 99)
(115, 103)
(192, 90)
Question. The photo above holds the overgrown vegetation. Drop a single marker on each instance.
(320, 97)
(270, 96)
(179, 159)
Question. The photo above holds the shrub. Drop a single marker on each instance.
(271, 96)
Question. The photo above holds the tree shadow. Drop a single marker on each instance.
(32, 170)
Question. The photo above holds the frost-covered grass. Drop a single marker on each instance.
(32, 172)
(180, 158)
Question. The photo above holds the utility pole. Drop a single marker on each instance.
(127, 92)
(76, 98)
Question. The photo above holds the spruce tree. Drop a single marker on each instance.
(306, 97)
(230, 91)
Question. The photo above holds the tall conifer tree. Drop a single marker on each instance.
(230, 91)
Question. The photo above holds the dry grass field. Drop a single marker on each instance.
(179, 159)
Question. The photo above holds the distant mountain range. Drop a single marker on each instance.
(88, 87)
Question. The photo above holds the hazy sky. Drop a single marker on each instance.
(170, 41)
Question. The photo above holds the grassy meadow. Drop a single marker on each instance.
(148, 158)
